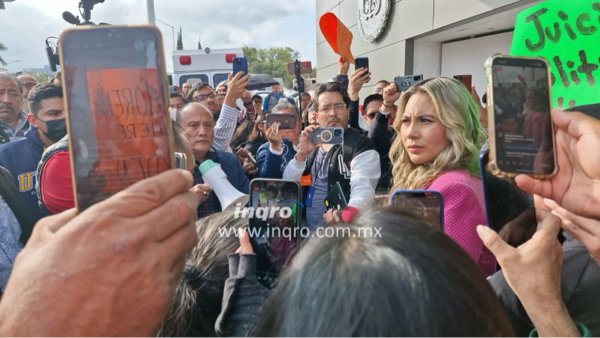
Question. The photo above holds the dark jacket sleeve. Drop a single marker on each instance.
(269, 164)
(381, 133)
(343, 79)
(354, 115)
(244, 182)
(243, 298)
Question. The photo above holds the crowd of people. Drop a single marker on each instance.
(151, 260)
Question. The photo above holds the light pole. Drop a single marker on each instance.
(150, 6)
(13, 62)
(172, 30)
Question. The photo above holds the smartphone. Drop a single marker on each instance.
(335, 199)
(285, 120)
(361, 62)
(251, 159)
(274, 224)
(505, 203)
(405, 82)
(240, 65)
(333, 135)
(117, 108)
(466, 80)
(427, 205)
(181, 161)
(521, 132)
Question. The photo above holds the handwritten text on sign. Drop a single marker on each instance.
(131, 125)
(337, 35)
(567, 34)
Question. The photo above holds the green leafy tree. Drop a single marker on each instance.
(271, 61)
(2, 49)
(180, 39)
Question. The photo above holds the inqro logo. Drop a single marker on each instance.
(264, 213)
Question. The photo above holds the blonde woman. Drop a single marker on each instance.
(437, 147)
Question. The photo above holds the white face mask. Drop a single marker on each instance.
(173, 112)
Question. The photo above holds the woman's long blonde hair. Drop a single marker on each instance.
(459, 114)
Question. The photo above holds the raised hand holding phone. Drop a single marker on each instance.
(273, 135)
(357, 80)
(236, 87)
(305, 145)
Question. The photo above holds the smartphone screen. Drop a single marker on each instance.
(505, 203)
(274, 221)
(522, 124)
(118, 119)
(424, 204)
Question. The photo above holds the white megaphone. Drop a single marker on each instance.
(216, 179)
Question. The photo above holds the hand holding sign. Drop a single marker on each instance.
(337, 34)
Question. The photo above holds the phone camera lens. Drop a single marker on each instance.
(326, 136)
(337, 132)
(417, 78)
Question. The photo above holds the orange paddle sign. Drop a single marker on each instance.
(131, 124)
(337, 34)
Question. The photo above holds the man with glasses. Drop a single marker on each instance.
(203, 93)
(225, 114)
(354, 164)
(28, 82)
(13, 121)
(252, 108)
(371, 106)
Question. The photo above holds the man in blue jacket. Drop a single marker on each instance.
(48, 126)
(198, 126)
(273, 98)
(273, 157)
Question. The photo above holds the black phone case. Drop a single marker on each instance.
(336, 199)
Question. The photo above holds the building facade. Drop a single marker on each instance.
(429, 37)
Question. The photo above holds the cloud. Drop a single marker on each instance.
(221, 24)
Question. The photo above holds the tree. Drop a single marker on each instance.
(271, 61)
(2, 49)
(180, 39)
(200, 43)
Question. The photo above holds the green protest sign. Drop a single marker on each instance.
(567, 33)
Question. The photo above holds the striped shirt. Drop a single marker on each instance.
(225, 127)
(19, 132)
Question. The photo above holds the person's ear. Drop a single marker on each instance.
(33, 120)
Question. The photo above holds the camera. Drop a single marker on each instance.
(327, 136)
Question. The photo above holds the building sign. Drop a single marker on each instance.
(372, 18)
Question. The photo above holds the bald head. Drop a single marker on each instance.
(198, 127)
(28, 82)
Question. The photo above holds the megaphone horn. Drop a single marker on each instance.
(216, 179)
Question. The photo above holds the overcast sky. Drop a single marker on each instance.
(25, 24)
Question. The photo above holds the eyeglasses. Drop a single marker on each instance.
(202, 97)
(29, 85)
(371, 116)
(377, 90)
(338, 107)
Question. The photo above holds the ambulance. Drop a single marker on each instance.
(210, 66)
